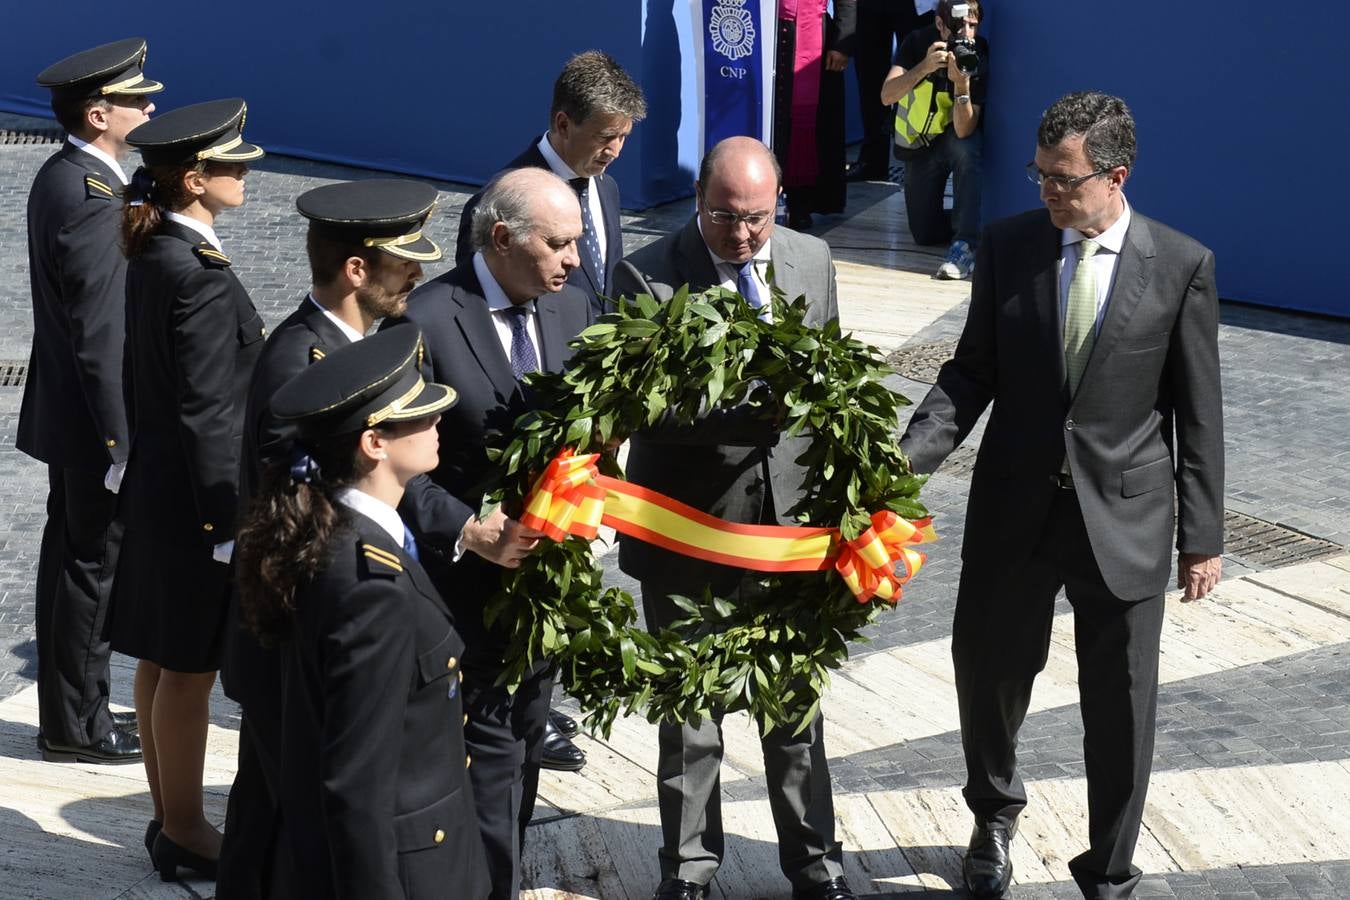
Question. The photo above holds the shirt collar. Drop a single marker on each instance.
(348, 331)
(555, 162)
(1112, 239)
(761, 255)
(492, 291)
(200, 227)
(381, 513)
(99, 155)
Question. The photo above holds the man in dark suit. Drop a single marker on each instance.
(736, 466)
(366, 248)
(595, 103)
(505, 313)
(881, 25)
(73, 417)
(1094, 332)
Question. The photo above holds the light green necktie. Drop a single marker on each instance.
(1080, 315)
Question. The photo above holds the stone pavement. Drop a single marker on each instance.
(1251, 766)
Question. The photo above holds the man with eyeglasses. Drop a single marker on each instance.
(73, 417)
(955, 101)
(1093, 330)
(736, 465)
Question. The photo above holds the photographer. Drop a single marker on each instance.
(942, 70)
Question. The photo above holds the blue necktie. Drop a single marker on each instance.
(746, 285)
(410, 544)
(590, 242)
(524, 359)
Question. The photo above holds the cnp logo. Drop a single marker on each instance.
(733, 72)
(732, 30)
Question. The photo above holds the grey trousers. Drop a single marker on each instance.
(688, 789)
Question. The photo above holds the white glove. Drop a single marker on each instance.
(113, 480)
(223, 552)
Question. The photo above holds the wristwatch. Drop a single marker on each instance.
(962, 98)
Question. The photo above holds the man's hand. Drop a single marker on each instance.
(835, 61)
(500, 540)
(937, 57)
(1197, 574)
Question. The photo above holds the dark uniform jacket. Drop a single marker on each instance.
(583, 276)
(376, 797)
(250, 673)
(72, 414)
(193, 337)
(463, 351)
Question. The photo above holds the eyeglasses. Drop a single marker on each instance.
(754, 221)
(1060, 183)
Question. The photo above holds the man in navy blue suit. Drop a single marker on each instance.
(595, 103)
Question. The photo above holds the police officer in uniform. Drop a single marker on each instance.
(376, 799)
(366, 249)
(193, 337)
(72, 416)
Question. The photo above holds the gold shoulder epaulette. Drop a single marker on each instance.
(210, 255)
(316, 354)
(381, 561)
(96, 187)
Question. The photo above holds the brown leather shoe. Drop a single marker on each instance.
(117, 746)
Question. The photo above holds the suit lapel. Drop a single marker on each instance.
(694, 260)
(784, 269)
(1044, 263)
(553, 343)
(609, 208)
(475, 324)
(327, 336)
(1133, 271)
(93, 165)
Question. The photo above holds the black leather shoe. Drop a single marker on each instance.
(168, 857)
(152, 830)
(117, 746)
(677, 889)
(559, 751)
(988, 865)
(126, 721)
(834, 889)
(856, 171)
(563, 723)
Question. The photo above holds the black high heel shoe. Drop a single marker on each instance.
(152, 830)
(168, 857)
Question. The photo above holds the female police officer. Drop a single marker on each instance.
(375, 799)
(191, 340)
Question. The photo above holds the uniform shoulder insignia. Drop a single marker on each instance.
(316, 353)
(97, 187)
(210, 255)
(380, 561)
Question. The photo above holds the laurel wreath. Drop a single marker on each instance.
(770, 656)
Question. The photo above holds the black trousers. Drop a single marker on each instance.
(504, 735)
(882, 25)
(1001, 640)
(76, 566)
(254, 860)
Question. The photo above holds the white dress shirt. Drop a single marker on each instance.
(200, 227)
(351, 333)
(1110, 243)
(99, 155)
(498, 303)
(565, 172)
(381, 513)
(730, 272)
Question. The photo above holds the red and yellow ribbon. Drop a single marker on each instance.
(572, 498)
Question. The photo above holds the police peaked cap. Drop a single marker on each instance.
(203, 131)
(386, 213)
(105, 70)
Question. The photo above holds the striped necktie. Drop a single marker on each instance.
(1080, 315)
(590, 241)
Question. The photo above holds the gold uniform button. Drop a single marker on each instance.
(466, 718)
(112, 443)
(208, 527)
(451, 663)
(468, 760)
(439, 836)
(461, 677)
(263, 331)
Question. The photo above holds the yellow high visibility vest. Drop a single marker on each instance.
(912, 113)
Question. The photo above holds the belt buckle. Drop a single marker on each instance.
(1062, 480)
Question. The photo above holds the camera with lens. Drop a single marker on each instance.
(967, 58)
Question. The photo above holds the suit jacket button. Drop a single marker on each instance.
(466, 718)
(468, 760)
(208, 527)
(1068, 424)
(461, 677)
(439, 836)
(451, 663)
(112, 443)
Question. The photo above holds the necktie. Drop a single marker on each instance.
(524, 359)
(410, 543)
(590, 242)
(1080, 315)
(746, 285)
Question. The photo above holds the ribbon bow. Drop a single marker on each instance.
(565, 499)
(868, 562)
(304, 468)
(142, 184)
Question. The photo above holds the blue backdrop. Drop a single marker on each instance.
(1239, 105)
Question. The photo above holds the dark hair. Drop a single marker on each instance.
(286, 533)
(593, 82)
(163, 190)
(327, 255)
(1104, 122)
(705, 168)
(70, 111)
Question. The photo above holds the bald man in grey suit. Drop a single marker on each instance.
(734, 465)
(1093, 330)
